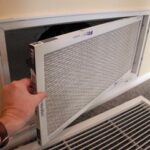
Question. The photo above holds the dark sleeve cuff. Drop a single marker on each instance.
(4, 138)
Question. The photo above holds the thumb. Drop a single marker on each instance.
(39, 97)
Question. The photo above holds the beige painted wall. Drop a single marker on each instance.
(28, 8)
(33, 8)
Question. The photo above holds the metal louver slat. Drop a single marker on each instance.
(128, 130)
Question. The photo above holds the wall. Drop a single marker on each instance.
(27, 8)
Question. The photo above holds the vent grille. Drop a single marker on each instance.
(129, 130)
(77, 74)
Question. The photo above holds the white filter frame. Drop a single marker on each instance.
(50, 45)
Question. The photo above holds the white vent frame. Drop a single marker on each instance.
(23, 23)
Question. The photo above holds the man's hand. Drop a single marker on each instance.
(18, 104)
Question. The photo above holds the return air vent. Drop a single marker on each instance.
(129, 129)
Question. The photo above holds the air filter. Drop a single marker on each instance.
(76, 67)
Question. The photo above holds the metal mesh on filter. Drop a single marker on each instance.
(77, 74)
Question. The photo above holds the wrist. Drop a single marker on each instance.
(11, 124)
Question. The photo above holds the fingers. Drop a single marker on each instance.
(25, 82)
(40, 96)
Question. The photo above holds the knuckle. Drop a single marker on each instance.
(14, 84)
(9, 87)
